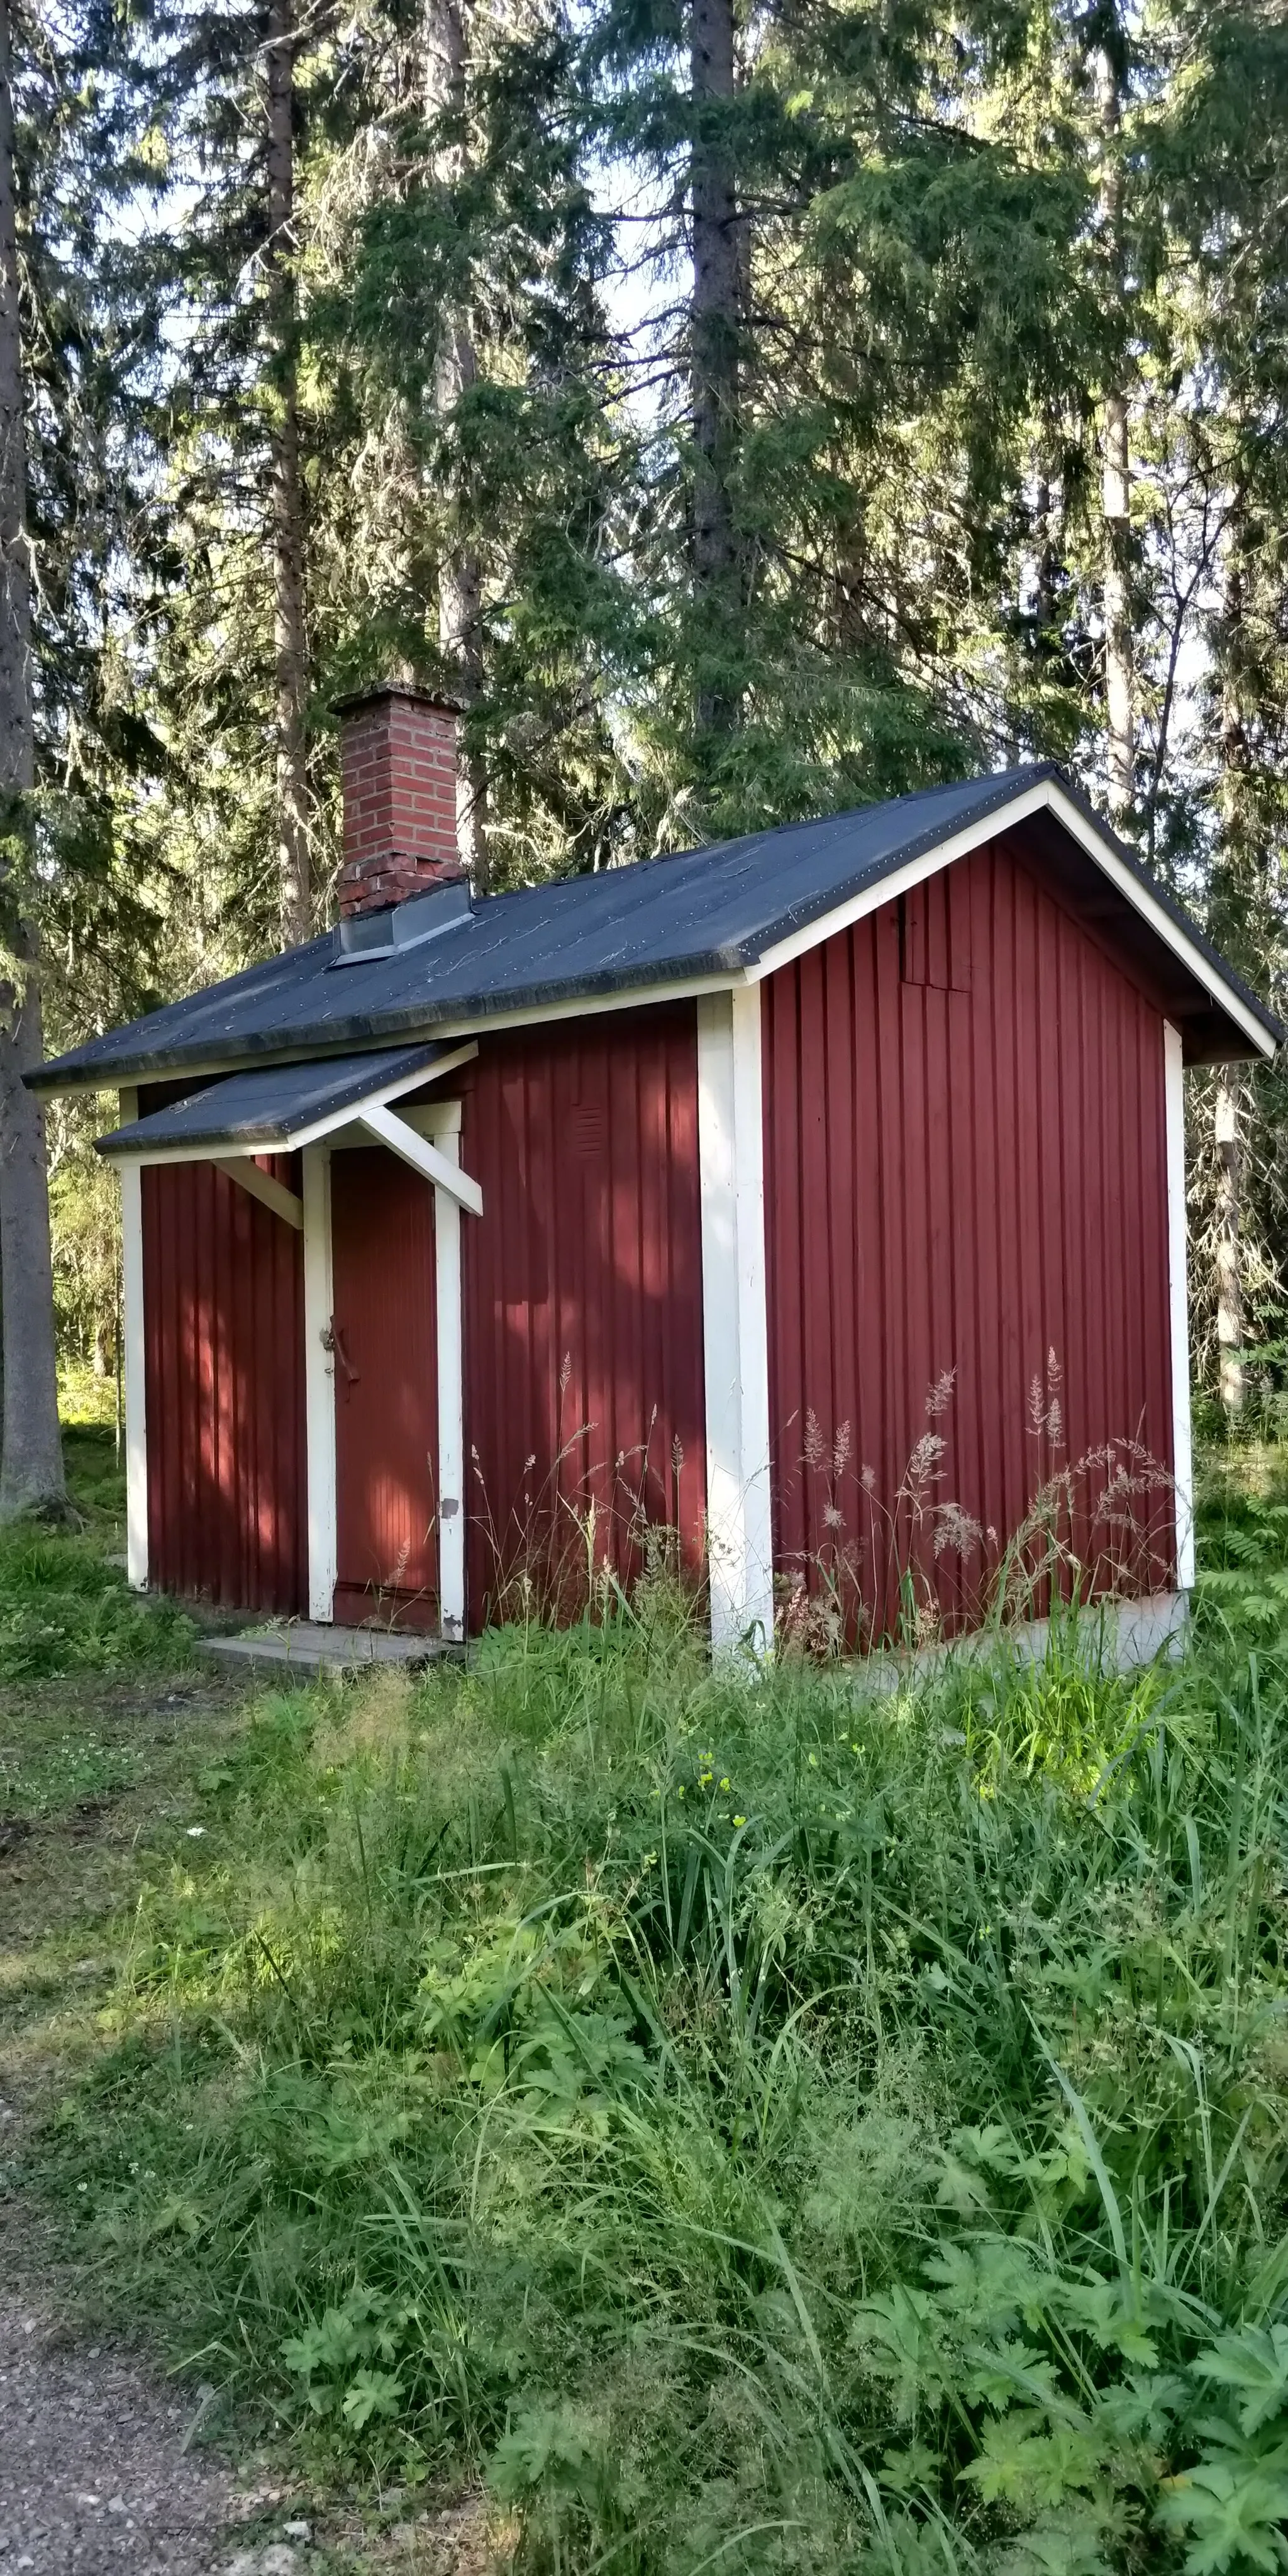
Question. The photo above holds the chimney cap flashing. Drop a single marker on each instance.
(438, 700)
(391, 928)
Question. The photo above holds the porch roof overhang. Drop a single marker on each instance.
(276, 1109)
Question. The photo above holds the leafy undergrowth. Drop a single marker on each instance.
(755, 2124)
(65, 1605)
(1242, 1530)
(64, 1609)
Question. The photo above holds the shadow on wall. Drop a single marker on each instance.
(584, 1297)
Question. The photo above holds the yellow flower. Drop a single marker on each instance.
(740, 1820)
(724, 1784)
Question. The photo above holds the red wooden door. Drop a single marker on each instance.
(386, 1393)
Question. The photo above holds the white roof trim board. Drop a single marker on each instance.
(675, 927)
(1046, 797)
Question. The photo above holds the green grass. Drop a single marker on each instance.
(64, 1610)
(65, 1605)
(41, 1779)
(750, 2123)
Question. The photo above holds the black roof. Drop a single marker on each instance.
(272, 1104)
(667, 920)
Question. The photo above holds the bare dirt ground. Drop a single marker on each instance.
(103, 2470)
(95, 2472)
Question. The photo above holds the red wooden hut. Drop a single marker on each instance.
(681, 1191)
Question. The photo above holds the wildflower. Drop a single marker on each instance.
(740, 1820)
(192, 1832)
(724, 1784)
(940, 1394)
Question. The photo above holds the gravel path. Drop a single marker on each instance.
(94, 2477)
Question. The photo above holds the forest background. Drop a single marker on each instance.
(745, 410)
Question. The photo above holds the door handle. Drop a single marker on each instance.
(333, 1340)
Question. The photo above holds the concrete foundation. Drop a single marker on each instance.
(1110, 1637)
(308, 1646)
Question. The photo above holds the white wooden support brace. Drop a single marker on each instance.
(451, 1382)
(422, 1156)
(319, 1382)
(135, 1360)
(1178, 1292)
(735, 1332)
(262, 1186)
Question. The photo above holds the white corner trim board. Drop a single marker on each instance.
(319, 1383)
(135, 1363)
(451, 1394)
(735, 1333)
(1178, 1294)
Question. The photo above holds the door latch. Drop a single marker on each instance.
(332, 1339)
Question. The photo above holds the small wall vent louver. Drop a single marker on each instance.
(360, 936)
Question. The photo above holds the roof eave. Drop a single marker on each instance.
(1236, 1025)
(680, 979)
(1255, 1032)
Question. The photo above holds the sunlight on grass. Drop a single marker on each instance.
(64, 1609)
(84, 1400)
(762, 2124)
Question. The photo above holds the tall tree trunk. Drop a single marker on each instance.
(1049, 542)
(1229, 1201)
(1230, 910)
(716, 316)
(31, 1469)
(460, 587)
(289, 641)
(1120, 688)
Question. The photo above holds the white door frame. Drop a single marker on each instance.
(442, 1122)
(319, 1382)
(1179, 1306)
(451, 1379)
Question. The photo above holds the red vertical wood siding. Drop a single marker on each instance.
(965, 1171)
(223, 1294)
(583, 1297)
(386, 1378)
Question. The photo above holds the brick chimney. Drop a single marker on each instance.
(398, 765)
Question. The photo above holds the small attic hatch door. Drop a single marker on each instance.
(934, 933)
